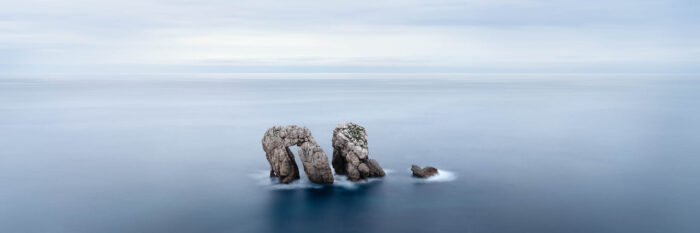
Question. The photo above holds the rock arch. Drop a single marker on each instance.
(276, 143)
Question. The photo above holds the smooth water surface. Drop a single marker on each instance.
(521, 153)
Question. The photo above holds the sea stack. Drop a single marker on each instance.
(350, 153)
(425, 172)
(276, 143)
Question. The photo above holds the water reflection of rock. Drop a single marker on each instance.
(330, 209)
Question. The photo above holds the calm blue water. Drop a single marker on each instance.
(525, 153)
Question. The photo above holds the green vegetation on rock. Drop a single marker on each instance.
(355, 132)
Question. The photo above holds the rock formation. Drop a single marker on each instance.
(350, 153)
(425, 172)
(276, 143)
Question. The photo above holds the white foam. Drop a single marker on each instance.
(343, 182)
(441, 176)
(263, 178)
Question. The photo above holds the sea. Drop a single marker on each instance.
(182, 153)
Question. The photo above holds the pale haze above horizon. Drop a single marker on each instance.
(213, 36)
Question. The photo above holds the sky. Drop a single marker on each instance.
(228, 36)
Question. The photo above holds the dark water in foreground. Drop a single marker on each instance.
(525, 153)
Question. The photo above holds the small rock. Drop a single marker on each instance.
(425, 172)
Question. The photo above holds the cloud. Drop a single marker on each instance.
(460, 35)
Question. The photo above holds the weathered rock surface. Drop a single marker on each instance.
(276, 143)
(425, 172)
(350, 154)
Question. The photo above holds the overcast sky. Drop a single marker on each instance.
(349, 36)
